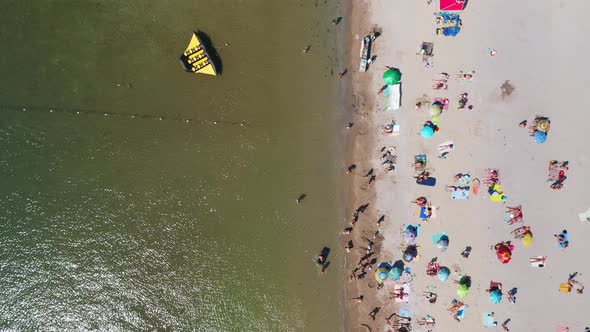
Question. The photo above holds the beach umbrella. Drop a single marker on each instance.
(410, 253)
(527, 240)
(410, 233)
(427, 131)
(465, 280)
(504, 254)
(391, 76)
(384, 265)
(443, 273)
(436, 109)
(462, 291)
(540, 137)
(495, 296)
(381, 275)
(443, 243)
(543, 125)
(395, 273)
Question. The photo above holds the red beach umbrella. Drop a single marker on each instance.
(504, 254)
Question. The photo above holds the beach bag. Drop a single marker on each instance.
(564, 287)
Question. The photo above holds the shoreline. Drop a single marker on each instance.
(359, 143)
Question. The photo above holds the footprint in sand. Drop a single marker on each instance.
(507, 89)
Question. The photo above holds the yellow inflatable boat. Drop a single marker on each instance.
(196, 59)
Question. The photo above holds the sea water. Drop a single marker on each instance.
(135, 196)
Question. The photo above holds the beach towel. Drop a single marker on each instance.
(538, 261)
(430, 182)
(460, 193)
(393, 92)
(461, 312)
(492, 176)
(487, 320)
(475, 186)
(584, 216)
(464, 181)
(422, 212)
(406, 291)
(405, 313)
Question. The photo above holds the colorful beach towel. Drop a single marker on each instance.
(487, 320)
(460, 193)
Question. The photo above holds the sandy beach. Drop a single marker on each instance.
(536, 52)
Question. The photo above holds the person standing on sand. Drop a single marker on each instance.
(350, 168)
(342, 73)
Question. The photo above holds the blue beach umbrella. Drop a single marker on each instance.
(540, 137)
(385, 265)
(495, 296)
(443, 273)
(427, 132)
(395, 273)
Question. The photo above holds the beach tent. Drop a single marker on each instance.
(452, 5)
(391, 76)
(381, 275)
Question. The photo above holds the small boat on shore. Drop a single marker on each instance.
(366, 52)
(196, 58)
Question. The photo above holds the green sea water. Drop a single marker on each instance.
(116, 222)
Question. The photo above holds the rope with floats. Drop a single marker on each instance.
(36, 109)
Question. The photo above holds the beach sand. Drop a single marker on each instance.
(538, 52)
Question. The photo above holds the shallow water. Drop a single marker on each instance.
(114, 222)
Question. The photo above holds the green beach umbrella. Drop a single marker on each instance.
(391, 76)
(462, 291)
